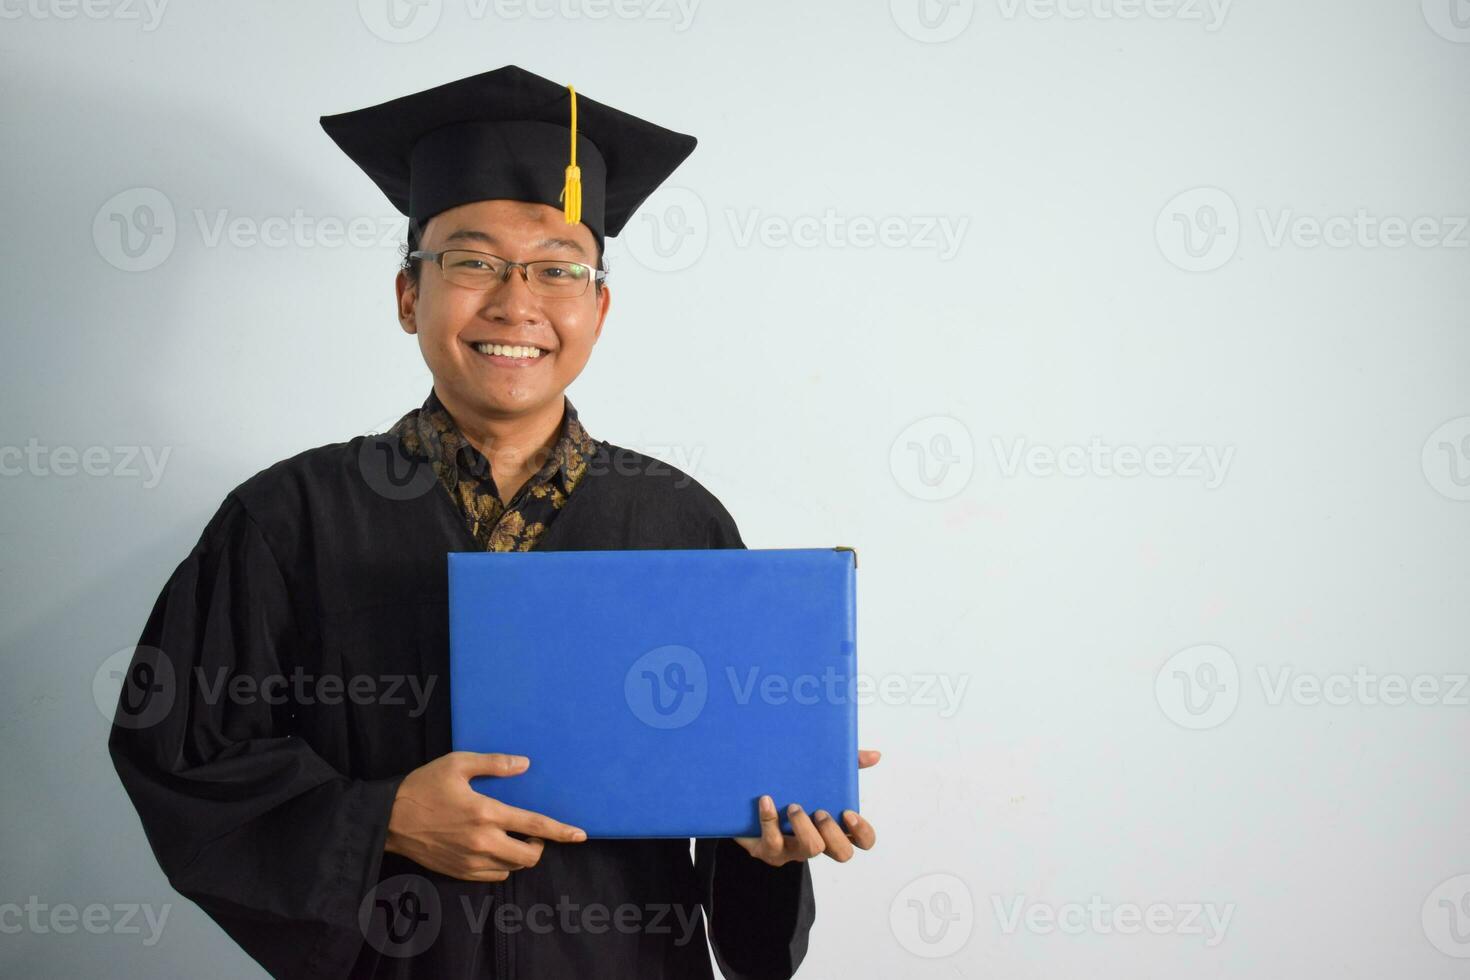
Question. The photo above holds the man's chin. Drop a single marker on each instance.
(505, 399)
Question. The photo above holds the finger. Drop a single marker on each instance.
(491, 764)
(483, 874)
(479, 858)
(518, 854)
(536, 824)
(753, 846)
(839, 848)
(772, 840)
(808, 841)
(861, 832)
(868, 757)
(484, 861)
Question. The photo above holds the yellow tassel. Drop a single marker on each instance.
(571, 192)
(572, 195)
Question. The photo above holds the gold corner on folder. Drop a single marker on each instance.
(843, 547)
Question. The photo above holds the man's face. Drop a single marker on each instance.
(450, 319)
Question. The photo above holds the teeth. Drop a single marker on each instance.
(504, 351)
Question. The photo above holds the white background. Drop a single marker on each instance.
(824, 385)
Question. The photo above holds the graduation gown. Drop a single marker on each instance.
(266, 800)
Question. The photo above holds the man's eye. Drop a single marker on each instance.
(471, 264)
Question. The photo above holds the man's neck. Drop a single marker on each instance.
(516, 446)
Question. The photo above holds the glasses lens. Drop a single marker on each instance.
(480, 270)
(558, 278)
(475, 269)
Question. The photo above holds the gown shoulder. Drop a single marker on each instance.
(638, 480)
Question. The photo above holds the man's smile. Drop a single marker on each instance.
(508, 355)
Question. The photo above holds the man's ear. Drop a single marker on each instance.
(408, 297)
(603, 299)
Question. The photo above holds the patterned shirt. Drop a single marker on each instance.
(464, 472)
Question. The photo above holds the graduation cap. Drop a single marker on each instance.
(512, 134)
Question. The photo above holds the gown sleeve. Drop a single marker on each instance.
(760, 917)
(245, 819)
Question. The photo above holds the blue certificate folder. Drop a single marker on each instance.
(659, 693)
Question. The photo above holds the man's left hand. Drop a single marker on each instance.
(811, 835)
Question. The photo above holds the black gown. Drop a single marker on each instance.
(267, 802)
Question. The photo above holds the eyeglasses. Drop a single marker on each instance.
(481, 270)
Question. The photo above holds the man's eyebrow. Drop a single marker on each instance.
(562, 243)
(471, 234)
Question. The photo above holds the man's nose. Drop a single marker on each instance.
(513, 298)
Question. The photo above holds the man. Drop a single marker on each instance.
(284, 728)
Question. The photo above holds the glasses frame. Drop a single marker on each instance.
(598, 276)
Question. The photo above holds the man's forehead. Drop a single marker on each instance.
(495, 230)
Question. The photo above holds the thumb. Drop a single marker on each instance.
(770, 824)
(492, 764)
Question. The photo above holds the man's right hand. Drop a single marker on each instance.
(440, 822)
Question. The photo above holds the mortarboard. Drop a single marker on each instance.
(511, 134)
